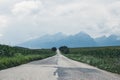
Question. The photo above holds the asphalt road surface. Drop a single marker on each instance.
(57, 67)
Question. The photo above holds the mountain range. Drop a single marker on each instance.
(78, 40)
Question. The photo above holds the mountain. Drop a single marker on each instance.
(78, 40)
(111, 40)
(45, 41)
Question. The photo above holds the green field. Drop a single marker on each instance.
(106, 58)
(14, 56)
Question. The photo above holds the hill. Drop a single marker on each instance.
(78, 40)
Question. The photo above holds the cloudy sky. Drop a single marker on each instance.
(21, 20)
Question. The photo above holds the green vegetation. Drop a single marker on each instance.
(13, 56)
(64, 49)
(54, 49)
(107, 58)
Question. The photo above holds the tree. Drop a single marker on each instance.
(64, 49)
(54, 49)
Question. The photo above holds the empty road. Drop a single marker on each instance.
(57, 67)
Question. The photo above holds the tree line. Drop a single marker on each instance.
(63, 49)
(9, 51)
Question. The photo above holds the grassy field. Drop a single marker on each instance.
(14, 56)
(106, 58)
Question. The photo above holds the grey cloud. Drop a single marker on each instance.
(95, 17)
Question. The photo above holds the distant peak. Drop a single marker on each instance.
(113, 36)
(59, 34)
(82, 34)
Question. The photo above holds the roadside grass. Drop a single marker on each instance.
(106, 58)
(7, 62)
(21, 55)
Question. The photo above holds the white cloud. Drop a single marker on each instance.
(1, 1)
(1, 35)
(3, 21)
(38, 17)
(26, 7)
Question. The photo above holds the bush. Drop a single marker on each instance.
(54, 49)
(107, 58)
(13, 56)
(64, 49)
